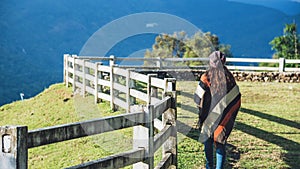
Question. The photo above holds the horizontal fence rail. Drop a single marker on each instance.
(66, 132)
(115, 161)
(106, 82)
(253, 64)
(20, 140)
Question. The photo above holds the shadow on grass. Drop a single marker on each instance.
(271, 118)
(186, 94)
(293, 148)
(190, 108)
(291, 158)
(233, 154)
(187, 130)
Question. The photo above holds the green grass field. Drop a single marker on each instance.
(266, 133)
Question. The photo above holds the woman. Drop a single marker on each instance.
(219, 100)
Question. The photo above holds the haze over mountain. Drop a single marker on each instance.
(289, 7)
(35, 34)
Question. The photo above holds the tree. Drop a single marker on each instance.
(179, 45)
(287, 46)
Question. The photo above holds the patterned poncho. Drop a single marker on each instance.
(217, 114)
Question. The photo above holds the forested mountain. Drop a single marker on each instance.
(289, 7)
(35, 34)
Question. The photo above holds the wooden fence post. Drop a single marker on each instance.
(96, 74)
(111, 64)
(149, 88)
(74, 72)
(140, 140)
(170, 117)
(143, 136)
(128, 91)
(13, 142)
(83, 78)
(132, 85)
(100, 77)
(66, 69)
(150, 126)
(281, 64)
(159, 62)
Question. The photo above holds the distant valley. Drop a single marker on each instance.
(35, 34)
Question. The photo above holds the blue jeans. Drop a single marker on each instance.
(220, 154)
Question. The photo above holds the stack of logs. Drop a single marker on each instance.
(286, 77)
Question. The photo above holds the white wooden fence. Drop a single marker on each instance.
(170, 63)
(113, 83)
(16, 140)
(281, 64)
(93, 78)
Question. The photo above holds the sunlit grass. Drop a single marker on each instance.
(266, 134)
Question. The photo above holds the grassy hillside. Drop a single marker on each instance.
(35, 34)
(266, 133)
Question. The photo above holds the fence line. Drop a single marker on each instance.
(161, 63)
(94, 78)
(107, 82)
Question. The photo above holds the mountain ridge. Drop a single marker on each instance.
(36, 34)
(289, 7)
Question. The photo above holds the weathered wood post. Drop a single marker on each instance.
(281, 64)
(84, 71)
(66, 69)
(158, 62)
(13, 142)
(128, 90)
(170, 117)
(143, 136)
(150, 126)
(132, 85)
(74, 72)
(111, 64)
(154, 90)
(101, 76)
(96, 74)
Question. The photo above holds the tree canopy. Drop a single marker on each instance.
(287, 46)
(179, 45)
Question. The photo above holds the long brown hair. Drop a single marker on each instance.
(220, 78)
(217, 81)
